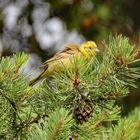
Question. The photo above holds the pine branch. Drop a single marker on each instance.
(57, 126)
(12, 84)
(27, 123)
(82, 96)
(127, 127)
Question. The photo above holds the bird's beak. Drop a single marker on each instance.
(97, 50)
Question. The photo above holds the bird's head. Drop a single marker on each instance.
(89, 49)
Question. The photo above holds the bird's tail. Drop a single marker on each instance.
(37, 79)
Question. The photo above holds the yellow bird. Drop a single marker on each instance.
(86, 50)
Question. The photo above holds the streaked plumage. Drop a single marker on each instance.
(61, 59)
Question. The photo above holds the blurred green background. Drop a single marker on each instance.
(42, 27)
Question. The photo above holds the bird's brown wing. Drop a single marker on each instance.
(68, 51)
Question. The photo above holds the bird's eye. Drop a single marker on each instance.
(90, 47)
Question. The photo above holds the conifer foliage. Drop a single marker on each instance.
(77, 103)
